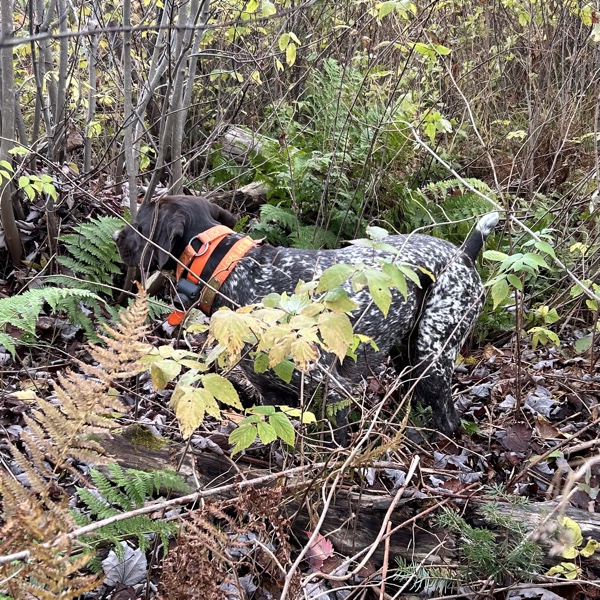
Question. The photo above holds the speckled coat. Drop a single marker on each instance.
(428, 328)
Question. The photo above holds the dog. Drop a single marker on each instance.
(429, 327)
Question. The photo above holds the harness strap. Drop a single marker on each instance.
(210, 239)
(195, 260)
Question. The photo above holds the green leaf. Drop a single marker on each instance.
(379, 288)
(268, 8)
(284, 370)
(535, 260)
(251, 6)
(222, 390)
(266, 432)
(284, 40)
(500, 291)
(442, 49)
(583, 344)
(410, 273)
(283, 428)
(261, 362)
(164, 371)
(424, 49)
(495, 255)
(263, 409)
(338, 300)
(7, 165)
(385, 8)
(545, 247)
(397, 278)
(334, 277)
(515, 281)
(297, 413)
(242, 437)
(18, 150)
(377, 233)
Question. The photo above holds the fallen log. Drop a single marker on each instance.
(355, 518)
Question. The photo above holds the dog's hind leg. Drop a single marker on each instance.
(453, 305)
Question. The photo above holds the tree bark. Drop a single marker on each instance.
(7, 215)
(354, 519)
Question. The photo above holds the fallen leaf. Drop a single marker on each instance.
(321, 549)
(518, 436)
(546, 429)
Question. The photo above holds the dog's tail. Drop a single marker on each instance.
(475, 242)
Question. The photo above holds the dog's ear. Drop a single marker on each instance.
(168, 231)
(222, 216)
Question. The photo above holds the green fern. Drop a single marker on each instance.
(122, 491)
(23, 310)
(93, 259)
(92, 254)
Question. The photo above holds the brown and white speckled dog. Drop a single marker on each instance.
(429, 327)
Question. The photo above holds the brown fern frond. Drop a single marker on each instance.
(120, 356)
(54, 573)
(58, 433)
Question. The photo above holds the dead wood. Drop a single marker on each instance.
(355, 518)
(245, 200)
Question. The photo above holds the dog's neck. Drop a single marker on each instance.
(209, 259)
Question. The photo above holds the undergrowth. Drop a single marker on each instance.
(60, 433)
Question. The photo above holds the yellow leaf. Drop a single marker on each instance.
(163, 371)
(280, 351)
(190, 409)
(284, 40)
(231, 330)
(290, 54)
(336, 331)
(221, 389)
(304, 353)
(590, 548)
(26, 395)
(573, 530)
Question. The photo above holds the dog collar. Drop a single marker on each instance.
(190, 286)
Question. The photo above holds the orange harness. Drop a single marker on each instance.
(190, 288)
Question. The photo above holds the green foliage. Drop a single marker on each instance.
(436, 580)
(449, 202)
(23, 310)
(122, 491)
(93, 259)
(504, 554)
(268, 424)
(92, 253)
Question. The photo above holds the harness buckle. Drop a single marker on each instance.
(201, 250)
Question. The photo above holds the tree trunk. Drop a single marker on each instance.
(7, 215)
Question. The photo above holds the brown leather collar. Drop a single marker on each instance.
(195, 261)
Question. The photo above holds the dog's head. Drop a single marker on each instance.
(170, 223)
